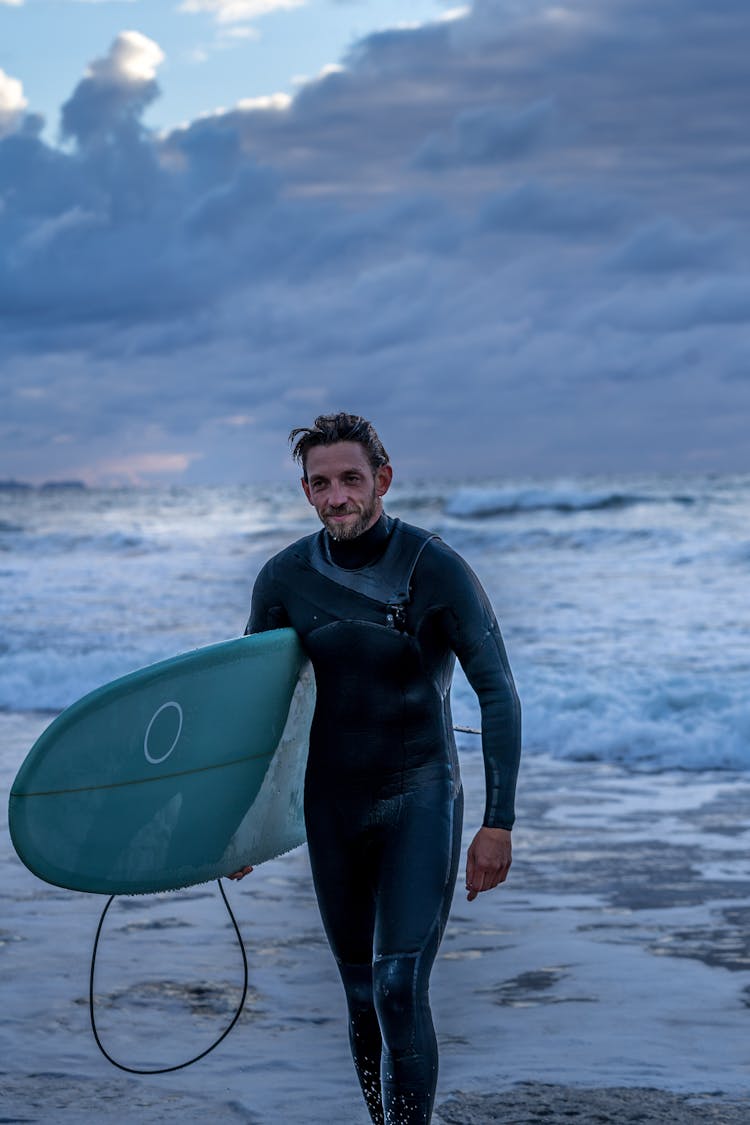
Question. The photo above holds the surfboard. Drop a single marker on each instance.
(175, 774)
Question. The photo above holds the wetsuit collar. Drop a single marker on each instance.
(362, 551)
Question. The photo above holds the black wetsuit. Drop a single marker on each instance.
(381, 617)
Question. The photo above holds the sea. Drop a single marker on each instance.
(623, 603)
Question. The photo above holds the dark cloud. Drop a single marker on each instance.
(532, 208)
(226, 208)
(523, 232)
(487, 134)
(664, 246)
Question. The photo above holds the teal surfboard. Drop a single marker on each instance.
(172, 775)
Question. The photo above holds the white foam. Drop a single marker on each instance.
(480, 502)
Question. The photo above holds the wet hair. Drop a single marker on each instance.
(328, 429)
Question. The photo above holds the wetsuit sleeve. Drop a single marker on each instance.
(474, 635)
(267, 609)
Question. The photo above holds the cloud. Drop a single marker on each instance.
(141, 468)
(115, 91)
(518, 234)
(488, 133)
(266, 101)
(532, 208)
(666, 246)
(238, 11)
(226, 208)
(684, 306)
(12, 103)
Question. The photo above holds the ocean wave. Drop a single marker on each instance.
(676, 722)
(669, 722)
(69, 542)
(506, 540)
(481, 503)
(32, 682)
(624, 624)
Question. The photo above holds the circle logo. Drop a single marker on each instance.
(161, 734)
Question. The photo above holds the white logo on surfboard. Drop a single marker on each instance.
(149, 756)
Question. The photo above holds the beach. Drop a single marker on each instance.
(609, 980)
(627, 922)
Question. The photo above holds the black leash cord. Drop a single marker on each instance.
(237, 1014)
(178, 1066)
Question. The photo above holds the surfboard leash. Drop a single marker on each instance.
(196, 1058)
(240, 1006)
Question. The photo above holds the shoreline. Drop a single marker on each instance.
(58, 1098)
(609, 980)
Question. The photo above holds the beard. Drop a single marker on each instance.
(364, 514)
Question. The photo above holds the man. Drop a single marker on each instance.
(383, 609)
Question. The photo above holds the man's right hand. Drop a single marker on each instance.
(240, 874)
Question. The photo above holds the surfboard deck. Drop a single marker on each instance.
(175, 774)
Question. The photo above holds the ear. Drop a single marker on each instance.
(306, 490)
(383, 478)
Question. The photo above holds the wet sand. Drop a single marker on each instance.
(609, 981)
(532, 1103)
(634, 976)
(57, 1098)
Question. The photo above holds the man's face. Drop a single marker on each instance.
(343, 489)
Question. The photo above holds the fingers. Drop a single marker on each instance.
(240, 874)
(483, 881)
(478, 878)
(487, 863)
(471, 876)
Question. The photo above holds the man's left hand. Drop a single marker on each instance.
(488, 860)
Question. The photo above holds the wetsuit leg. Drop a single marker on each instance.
(384, 872)
(343, 858)
(417, 879)
(364, 1034)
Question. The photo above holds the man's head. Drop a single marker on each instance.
(345, 470)
(328, 429)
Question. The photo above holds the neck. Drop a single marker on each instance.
(366, 548)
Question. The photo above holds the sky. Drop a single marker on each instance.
(513, 234)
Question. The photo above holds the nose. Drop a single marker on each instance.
(337, 495)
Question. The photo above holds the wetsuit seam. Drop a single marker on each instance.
(380, 958)
(329, 578)
(403, 746)
(417, 957)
